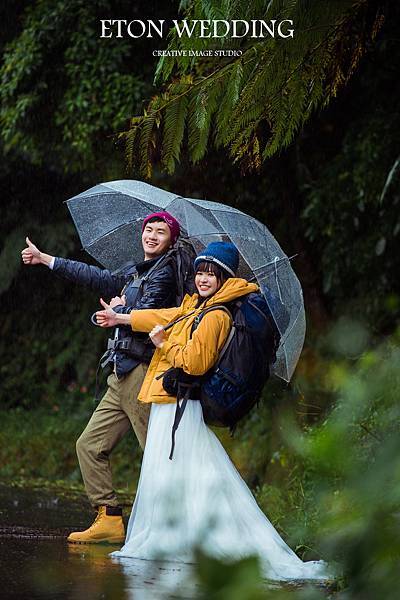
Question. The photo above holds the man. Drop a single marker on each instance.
(150, 284)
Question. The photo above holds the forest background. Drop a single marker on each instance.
(305, 137)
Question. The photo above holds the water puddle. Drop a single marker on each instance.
(37, 562)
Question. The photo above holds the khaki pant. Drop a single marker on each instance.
(117, 412)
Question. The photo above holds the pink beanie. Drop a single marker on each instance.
(169, 220)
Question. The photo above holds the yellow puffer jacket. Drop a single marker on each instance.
(196, 355)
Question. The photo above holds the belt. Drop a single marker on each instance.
(124, 344)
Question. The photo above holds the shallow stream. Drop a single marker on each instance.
(36, 562)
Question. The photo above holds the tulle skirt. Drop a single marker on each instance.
(198, 499)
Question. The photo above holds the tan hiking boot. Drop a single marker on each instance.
(107, 528)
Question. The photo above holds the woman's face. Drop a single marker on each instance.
(206, 283)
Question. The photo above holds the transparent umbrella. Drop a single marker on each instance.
(109, 216)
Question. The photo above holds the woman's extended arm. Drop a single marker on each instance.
(140, 320)
(109, 318)
(146, 319)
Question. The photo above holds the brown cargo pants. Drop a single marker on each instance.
(117, 412)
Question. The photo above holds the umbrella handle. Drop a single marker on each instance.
(93, 320)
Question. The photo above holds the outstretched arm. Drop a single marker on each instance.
(139, 320)
(99, 280)
(109, 318)
(145, 320)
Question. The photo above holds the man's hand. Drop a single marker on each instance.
(118, 301)
(157, 336)
(31, 255)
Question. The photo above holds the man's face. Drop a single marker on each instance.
(156, 239)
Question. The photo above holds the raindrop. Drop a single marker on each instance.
(380, 247)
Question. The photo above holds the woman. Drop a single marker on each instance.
(198, 498)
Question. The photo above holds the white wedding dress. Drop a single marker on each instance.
(199, 499)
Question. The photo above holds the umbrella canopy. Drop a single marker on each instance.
(109, 219)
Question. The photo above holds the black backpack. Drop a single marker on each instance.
(184, 255)
(181, 257)
(234, 384)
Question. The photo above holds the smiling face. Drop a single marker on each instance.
(206, 283)
(209, 279)
(156, 239)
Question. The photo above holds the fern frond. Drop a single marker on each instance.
(131, 138)
(173, 130)
(229, 101)
(145, 144)
(273, 88)
(203, 107)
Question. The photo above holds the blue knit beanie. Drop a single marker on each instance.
(223, 254)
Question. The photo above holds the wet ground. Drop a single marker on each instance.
(37, 563)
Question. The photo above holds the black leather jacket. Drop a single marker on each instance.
(158, 291)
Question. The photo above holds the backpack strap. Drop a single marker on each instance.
(182, 272)
(187, 387)
(172, 323)
(180, 409)
(226, 344)
(159, 262)
(179, 270)
(200, 316)
(232, 331)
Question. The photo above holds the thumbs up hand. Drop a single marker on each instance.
(31, 255)
(106, 317)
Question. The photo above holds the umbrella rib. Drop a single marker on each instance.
(287, 378)
(216, 208)
(271, 262)
(290, 330)
(224, 232)
(280, 261)
(108, 190)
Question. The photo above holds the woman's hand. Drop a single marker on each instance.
(107, 317)
(157, 336)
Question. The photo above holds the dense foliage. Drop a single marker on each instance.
(63, 94)
(254, 103)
